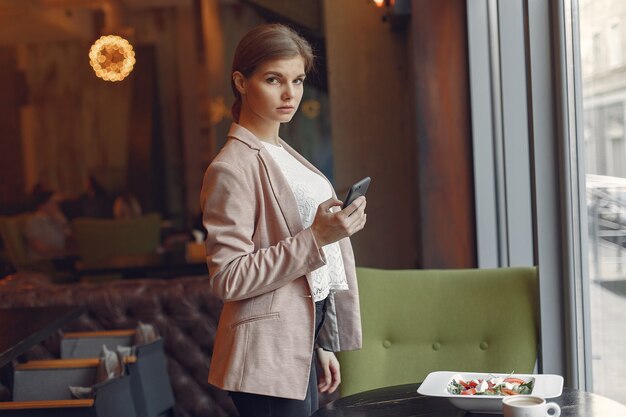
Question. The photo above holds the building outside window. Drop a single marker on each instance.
(615, 44)
(603, 82)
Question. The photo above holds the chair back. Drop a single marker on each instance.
(89, 344)
(150, 381)
(41, 389)
(419, 321)
(102, 238)
(11, 229)
(52, 382)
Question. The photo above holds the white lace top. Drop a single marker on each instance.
(310, 189)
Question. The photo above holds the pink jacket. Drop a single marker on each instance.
(259, 259)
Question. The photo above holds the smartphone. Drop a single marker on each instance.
(358, 189)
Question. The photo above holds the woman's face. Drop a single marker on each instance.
(273, 93)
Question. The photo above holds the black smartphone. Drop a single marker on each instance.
(358, 189)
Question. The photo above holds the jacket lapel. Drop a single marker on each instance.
(280, 187)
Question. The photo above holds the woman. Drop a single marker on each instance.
(126, 206)
(277, 243)
(47, 230)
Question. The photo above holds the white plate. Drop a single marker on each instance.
(436, 385)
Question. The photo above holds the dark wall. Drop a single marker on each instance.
(12, 96)
(445, 213)
(372, 111)
(401, 114)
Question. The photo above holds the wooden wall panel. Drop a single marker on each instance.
(444, 149)
(11, 99)
(145, 174)
(372, 131)
(79, 123)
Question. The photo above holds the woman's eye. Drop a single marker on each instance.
(298, 81)
(272, 80)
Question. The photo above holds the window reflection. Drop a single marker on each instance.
(604, 95)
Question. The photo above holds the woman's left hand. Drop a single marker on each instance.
(330, 378)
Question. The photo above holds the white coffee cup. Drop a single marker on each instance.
(529, 406)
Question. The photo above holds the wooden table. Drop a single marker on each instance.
(404, 401)
(22, 328)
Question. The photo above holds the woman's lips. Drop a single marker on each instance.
(285, 109)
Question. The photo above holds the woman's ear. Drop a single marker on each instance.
(239, 81)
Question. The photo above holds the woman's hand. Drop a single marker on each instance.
(329, 227)
(330, 377)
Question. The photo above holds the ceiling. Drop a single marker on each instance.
(36, 21)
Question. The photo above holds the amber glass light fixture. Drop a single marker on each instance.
(397, 13)
(112, 58)
(384, 3)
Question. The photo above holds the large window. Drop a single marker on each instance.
(548, 101)
(602, 103)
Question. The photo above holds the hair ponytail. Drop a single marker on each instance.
(236, 109)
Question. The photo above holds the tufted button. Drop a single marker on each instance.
(386, 344)
(436, 346)
(484, 345)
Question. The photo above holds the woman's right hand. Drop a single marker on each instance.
(329, 227)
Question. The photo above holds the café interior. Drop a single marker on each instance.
(493, 244)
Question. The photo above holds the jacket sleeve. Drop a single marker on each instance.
(237, 269)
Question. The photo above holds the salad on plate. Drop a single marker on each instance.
(491, 385)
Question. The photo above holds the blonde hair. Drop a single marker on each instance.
(266, 42)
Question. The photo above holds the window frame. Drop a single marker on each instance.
(568, 69)
(551, 97)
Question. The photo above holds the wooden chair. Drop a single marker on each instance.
(40, 388)
(76, 345)
(150, 382)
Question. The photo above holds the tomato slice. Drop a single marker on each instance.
(509, 391)
(514, 381)
(470, 391)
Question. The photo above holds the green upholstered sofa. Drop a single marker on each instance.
(419, 321)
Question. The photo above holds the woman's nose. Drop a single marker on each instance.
(288, 92)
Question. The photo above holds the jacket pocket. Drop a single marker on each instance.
(255, 318)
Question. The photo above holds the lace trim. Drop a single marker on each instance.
(310, 189)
